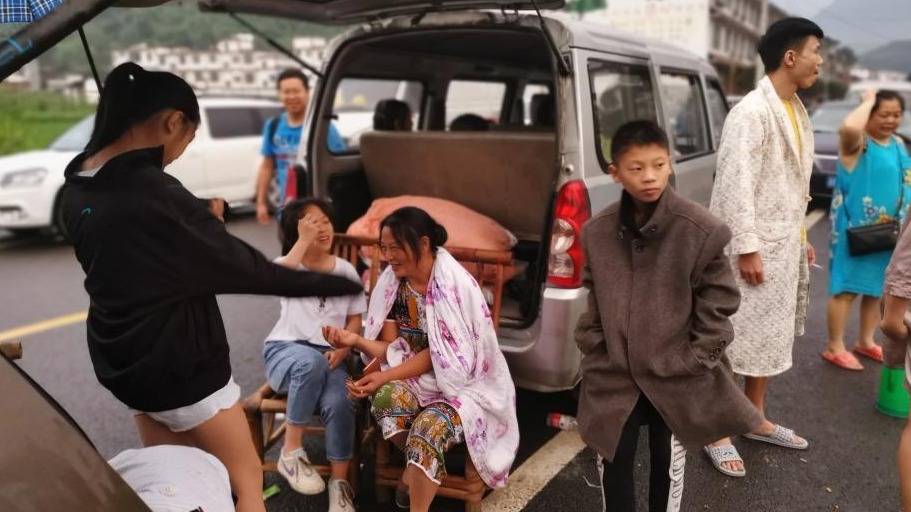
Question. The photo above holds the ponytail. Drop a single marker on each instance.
(132, 95)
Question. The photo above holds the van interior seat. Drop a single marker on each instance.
(508, 176)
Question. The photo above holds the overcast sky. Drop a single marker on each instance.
(802, 7)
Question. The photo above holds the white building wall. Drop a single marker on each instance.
(233, 66)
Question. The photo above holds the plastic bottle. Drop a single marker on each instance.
(562, 421)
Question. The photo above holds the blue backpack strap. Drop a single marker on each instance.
(272, 124)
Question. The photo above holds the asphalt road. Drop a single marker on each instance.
(849, 466)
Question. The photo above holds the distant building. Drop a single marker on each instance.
(725, 32)
(859, 74)
(737, 26)
(233, 67)
(29, 77)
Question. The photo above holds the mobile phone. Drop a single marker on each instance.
(372, 366)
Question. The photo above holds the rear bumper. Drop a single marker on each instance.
(545, 357)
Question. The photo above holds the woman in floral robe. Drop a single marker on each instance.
(444, 380)
(871, 186)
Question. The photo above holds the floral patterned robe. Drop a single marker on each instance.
(469, 371)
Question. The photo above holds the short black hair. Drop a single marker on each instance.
(887, 95)
(783, 35)
(292, 213)
(391, 114)
(469, 123)
(292, 73)
(641, 132)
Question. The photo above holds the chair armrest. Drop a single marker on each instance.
(11, 349)
(253, 402)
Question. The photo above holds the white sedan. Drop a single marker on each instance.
(222, 162)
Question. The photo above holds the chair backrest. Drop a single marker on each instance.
(351, 248)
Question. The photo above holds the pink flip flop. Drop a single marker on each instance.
(843, 359)
(875, 353)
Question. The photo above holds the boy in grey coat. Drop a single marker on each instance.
(657, 326)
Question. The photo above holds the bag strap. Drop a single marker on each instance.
(901, 176)
(901, 181)
(273, 126)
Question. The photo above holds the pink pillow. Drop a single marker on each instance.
(465, 227)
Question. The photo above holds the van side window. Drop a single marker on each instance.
(538, 106)
(685, 116)
(476, 97)
(620, 93)
(356, 100)
(228, 122)
(718, 109)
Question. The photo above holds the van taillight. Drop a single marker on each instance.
(564, 268)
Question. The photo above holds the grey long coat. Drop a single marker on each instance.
(658, 324)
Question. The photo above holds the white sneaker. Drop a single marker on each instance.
(341, 496)
(299, 473)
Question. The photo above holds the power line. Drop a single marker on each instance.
(855, 25)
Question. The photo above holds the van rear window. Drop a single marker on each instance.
(356, 101)
(621, 92)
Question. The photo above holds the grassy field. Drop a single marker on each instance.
(32, 120)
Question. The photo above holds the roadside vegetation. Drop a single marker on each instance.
(32, 120)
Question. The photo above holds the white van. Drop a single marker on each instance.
(540, 171)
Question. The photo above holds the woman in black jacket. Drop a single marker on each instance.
(154, 257)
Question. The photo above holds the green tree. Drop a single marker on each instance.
(581, 6)
(175, 24)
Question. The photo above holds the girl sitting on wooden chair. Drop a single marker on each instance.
(301, 364)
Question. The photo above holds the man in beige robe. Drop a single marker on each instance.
(761, 191)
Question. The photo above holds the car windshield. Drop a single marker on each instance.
(828, 118)
(76, 137)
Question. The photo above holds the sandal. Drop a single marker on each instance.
(782, 437)
(724, 453)
(875, 352)
(843, 359)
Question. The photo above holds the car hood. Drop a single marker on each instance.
(826, 143)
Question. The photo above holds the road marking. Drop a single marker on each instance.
(814, 217)
(44, 325)
(531, 477)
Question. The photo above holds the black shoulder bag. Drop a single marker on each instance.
(881, 236)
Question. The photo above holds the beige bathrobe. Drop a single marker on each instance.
(761, 191)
